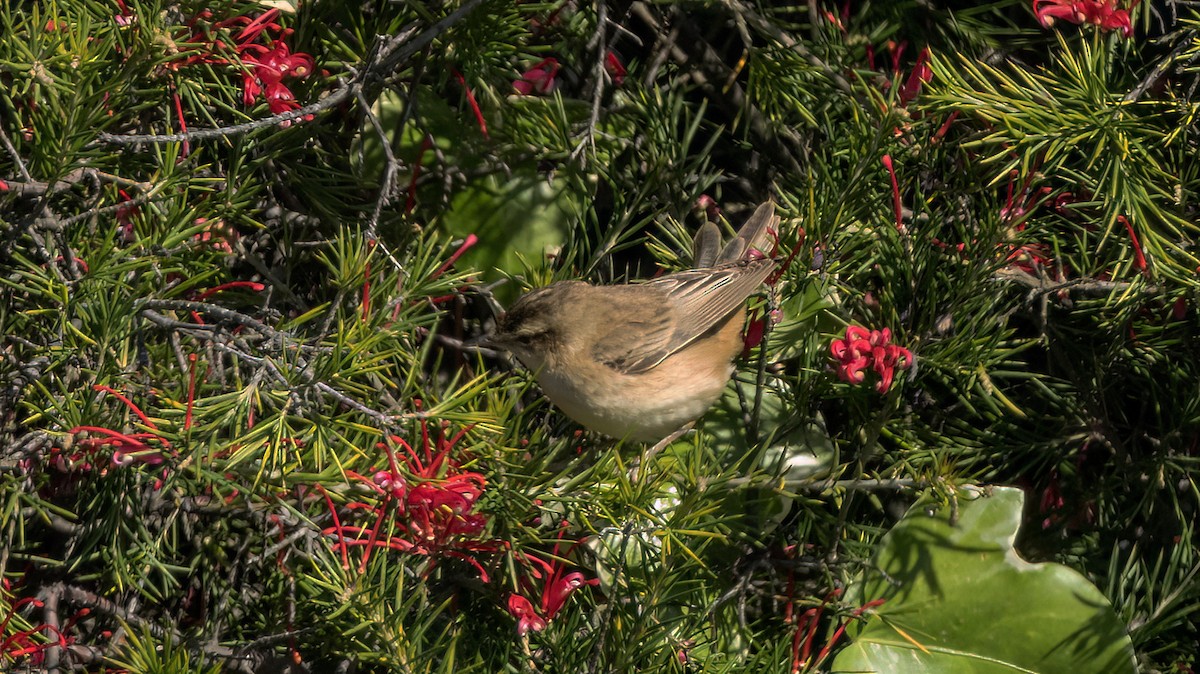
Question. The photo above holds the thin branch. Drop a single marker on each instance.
(16, 157)
(59, 224)
(1160, 69)
(215, 311)
(307, 379)
(599, 41)
(1083, 286)
(221, 313)
(766, 27)
(708, 70)
(822, 486)
(387, 54)
(389, 173)
(37, 188)
(333, 100)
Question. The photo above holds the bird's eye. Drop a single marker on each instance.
(527, 336)
(532, 337)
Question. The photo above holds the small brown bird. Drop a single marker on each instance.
(639, 361)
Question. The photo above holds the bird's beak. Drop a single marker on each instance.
(486, 342)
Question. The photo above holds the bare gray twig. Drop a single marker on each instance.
(386, 55)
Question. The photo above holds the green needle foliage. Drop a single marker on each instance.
(244, 249)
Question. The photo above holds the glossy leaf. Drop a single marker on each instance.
(959, 599)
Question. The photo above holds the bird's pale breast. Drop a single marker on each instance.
(650, 405)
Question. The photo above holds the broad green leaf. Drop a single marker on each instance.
(958, 598)
(520, 220)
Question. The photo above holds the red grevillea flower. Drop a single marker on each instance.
(921, 75)
(32, 644)
(146, 447)
(1102, 13)
(260, 47)
(432, 500)
(864, 348)
(614, 67)
(268, 67)
(538, 79)
(527, 618)
(124, 16)
(556, 587)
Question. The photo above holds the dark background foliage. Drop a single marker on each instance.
(280, 294)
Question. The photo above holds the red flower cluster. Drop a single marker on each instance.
(34, 642)
(148, 448)
(1102, 13)
(538, 79)
(556, 587)
(864, 348)
(127, 448)
(434, 502)
(259, 46)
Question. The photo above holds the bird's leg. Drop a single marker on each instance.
(659, 446)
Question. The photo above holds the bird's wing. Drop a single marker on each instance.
(754, 234)
(702, 297)
(706, 246)
(693, 301)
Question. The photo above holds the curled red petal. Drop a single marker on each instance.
(527, 618)
(854, 371)
(838, 348)
(885, 377)
(855, 332)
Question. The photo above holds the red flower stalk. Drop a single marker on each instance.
(462, 81)
(127, 448)
(187, 147)
(921, 74)
(539, 79)
(466, 245)
(1139, 257)
(34, 642)
(897, 205)
(864, 348)
(128, 403)
(232, 285)
(806, 627)
(837, 634)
